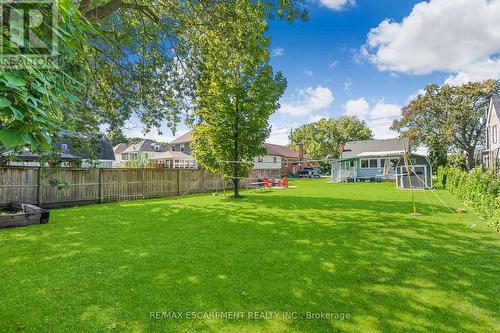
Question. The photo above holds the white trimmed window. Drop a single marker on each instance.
(369, 163)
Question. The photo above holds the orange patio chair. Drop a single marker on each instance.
(284, 182)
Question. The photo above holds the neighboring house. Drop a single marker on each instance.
(118, 150)
(142, 151)
(288, 161)
(279, 159)
(174, 160)
(182, 143)
(491, 155)
(70, 156)
(373, 160)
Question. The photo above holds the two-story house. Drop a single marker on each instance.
(491, 155)
(182, 143)
(142, 151)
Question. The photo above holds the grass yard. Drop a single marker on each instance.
(320, 248)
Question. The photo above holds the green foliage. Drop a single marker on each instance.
(322, 139)
(448, 118)
(236, 91)
(478, 189)
(33, 100)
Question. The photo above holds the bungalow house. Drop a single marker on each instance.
(142, 151)
(69, 155)
(377, 160)
(491, 155)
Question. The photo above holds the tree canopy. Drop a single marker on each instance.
(448, 119)
(236, 92)
(322, 139)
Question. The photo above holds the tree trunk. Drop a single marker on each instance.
(236, 183)
(470, 158)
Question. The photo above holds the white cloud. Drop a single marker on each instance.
(489, 69)
(357, 108)
(461, 37)
(379, 117)
(317, 117)
(337, 4)
(277, 52)
(308, 101)
(347, 84)
(382, 110)
(308, 72)
(279, 136)
(334, 63)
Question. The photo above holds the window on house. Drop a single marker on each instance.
(364, 164)
(382, 163)
(275, 159)
(183, 148)
(494, 134)
(352, 164)
(373, 163)
(260, 159)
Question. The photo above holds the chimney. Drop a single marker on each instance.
(341, 148)
(301, 151)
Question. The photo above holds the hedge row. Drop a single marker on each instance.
(477, 188)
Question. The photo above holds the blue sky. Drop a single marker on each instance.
(366, 58)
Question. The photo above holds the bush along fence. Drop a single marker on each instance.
(30, 185)
(478, 189)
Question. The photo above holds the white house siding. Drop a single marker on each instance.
(267, 162)
(492, 153)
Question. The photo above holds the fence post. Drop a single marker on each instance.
(39, 187)
(178, 182)
(101, 189)
(143, 183)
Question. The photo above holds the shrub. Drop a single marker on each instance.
(478, 189)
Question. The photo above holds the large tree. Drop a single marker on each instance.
(236, 91)
(142, 58)
(118, 59)
(448, 118)
(323, 138)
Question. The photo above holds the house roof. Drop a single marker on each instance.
(185, 138)
(381, 153)
(171, 155)
(144, 145)
(278, 150)
(369, 147)
(102, 149)
(119, 148)
(495, 101)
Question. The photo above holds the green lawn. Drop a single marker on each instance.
(331, 248)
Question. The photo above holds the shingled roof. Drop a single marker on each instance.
(119, 148)
(277, 150)
(185, 138)
(364, 148)
(496, 104)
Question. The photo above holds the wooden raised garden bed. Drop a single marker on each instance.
(18, 215)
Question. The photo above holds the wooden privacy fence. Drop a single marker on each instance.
(87, 186)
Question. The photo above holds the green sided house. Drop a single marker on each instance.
(381, 160)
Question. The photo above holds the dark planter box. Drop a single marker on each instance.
(23, 215)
